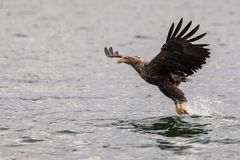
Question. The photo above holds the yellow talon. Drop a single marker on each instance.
(181, 109)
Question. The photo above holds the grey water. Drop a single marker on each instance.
(61, 98)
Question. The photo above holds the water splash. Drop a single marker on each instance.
(205, 106)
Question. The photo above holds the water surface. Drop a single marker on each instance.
(61, 98)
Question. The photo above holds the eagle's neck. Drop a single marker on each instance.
(141, 69)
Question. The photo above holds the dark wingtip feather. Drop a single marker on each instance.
(111, 49)
(197, 38)
(106, 51)
(184, 30)
(170, 32)
(200, 45)
(179, 25)
(192, 32)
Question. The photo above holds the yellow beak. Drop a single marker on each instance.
(121, 60)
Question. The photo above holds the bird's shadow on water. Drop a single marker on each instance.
(172, 126)
(168, 128)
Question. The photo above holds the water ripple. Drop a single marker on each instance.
(31, 140)
(67, 132)
(172, 126)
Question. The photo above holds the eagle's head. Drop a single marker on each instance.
(131, 60)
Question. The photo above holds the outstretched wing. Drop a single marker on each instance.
(109, 53)
(178, 55)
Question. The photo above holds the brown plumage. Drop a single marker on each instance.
(178, 59)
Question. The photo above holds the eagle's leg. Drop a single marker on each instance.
(178, 97)
(181, 107)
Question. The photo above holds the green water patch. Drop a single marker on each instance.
(67, 132)
(31, 140)
(172, 126)
(3, 128)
